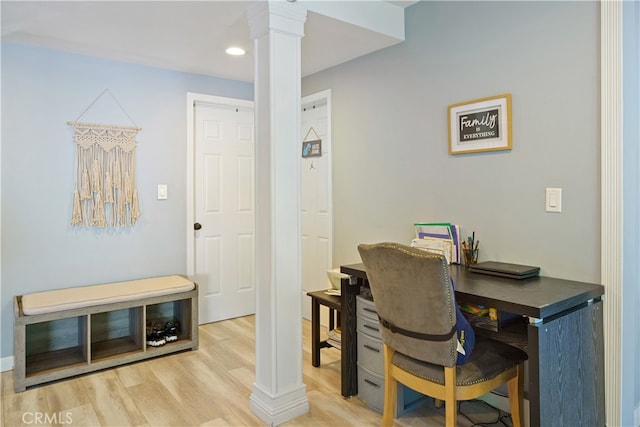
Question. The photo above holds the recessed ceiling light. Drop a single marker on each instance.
(235, 51)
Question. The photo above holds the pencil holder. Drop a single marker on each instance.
(470, 256)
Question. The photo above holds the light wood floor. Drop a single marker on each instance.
(210, 386)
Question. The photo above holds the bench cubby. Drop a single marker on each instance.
(116, 333)
(55, 344)
(61, 344)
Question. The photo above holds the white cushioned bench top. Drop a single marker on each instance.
(85, 296)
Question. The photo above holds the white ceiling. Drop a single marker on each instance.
(189, 36)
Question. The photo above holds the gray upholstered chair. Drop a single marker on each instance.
(415, 301)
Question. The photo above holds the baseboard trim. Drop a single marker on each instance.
(6, 364)
(276, 409)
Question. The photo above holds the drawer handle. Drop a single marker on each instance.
(367, 346)
(369, 310)
(371, 383)
(371, 327)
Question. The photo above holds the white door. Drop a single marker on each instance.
(223, 211)
(316, 199)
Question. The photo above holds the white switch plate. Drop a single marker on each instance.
(553, 200)
(162, 191)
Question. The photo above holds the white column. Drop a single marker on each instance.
(278, 392)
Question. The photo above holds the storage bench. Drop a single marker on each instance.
(67, 332)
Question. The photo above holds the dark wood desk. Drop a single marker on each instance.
(564, 339)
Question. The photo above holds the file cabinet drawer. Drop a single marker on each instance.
(371, 353)
(371, 391)
(369, 327)
(367, 317)
(366, 308)
(371, 388)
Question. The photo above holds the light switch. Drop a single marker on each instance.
(162, 191)
(553, 200)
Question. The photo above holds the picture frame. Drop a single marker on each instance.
(480, 125)
(312, 148)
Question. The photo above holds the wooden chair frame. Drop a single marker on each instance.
(450, 393)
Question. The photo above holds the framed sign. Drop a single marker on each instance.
(312, 148)
(480, 125)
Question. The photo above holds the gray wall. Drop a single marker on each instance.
(391, 164)
(42, 90)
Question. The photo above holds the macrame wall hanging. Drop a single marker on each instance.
(105, 193)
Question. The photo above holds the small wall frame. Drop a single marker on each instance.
(312, 148)
(480, 125)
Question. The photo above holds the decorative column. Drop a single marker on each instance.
(278, 392)
(611, 229)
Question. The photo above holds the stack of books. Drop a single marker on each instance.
(334, 338)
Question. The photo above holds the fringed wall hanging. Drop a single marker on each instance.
(105, 193)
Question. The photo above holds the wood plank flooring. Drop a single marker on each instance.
(210, 386)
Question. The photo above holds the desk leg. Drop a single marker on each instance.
(315, 332)
(566, 369)
(331, 321)
(349, 347)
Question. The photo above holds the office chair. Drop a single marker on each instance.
(415, 302)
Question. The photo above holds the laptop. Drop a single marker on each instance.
(504, 269)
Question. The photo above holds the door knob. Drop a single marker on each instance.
(197, 226)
